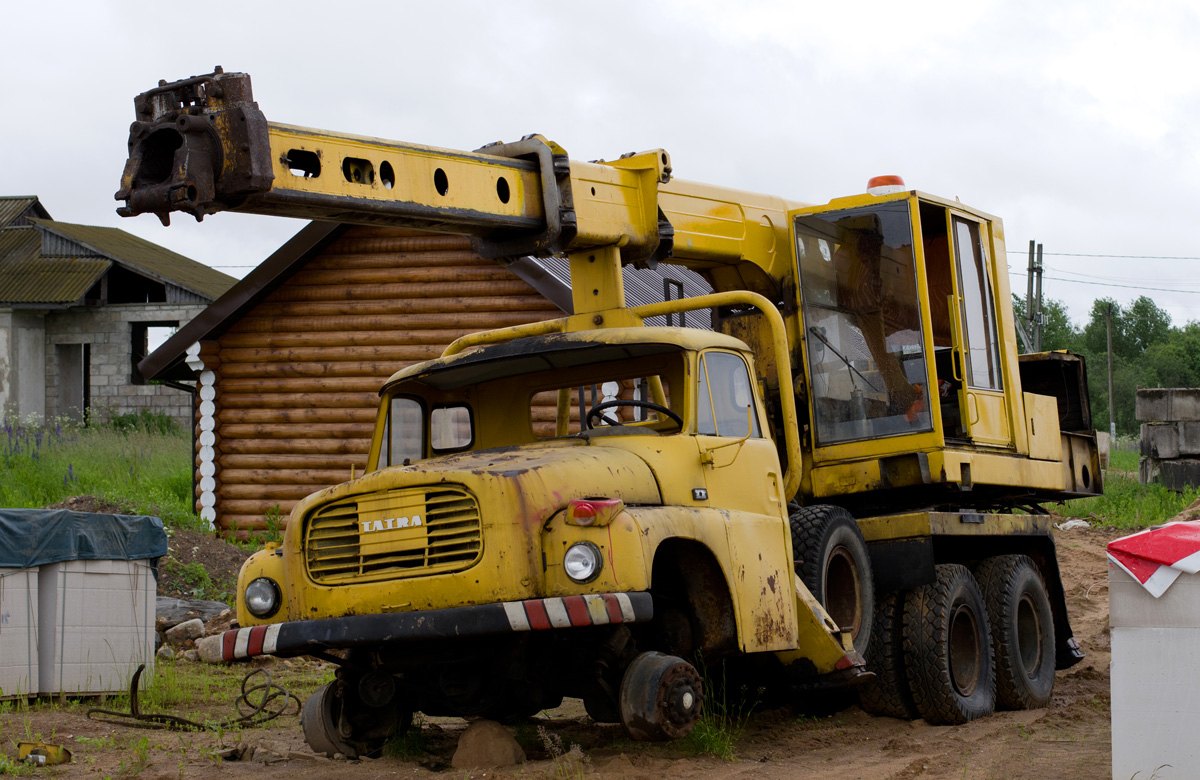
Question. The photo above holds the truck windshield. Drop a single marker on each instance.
(862, 323)
(519, 392)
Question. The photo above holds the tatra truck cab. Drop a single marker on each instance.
(850, 464)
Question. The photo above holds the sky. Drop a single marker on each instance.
(1077, 123)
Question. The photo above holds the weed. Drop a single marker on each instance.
(274, 525)
(199, 582)
(569, 764)
(721, 721)
(14, 768)
(408, 745)
(96, 742)
(145, 421)
(141, 757)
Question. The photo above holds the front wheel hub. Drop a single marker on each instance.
(661, 697)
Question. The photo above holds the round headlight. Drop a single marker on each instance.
(583, 562)
(262, 597)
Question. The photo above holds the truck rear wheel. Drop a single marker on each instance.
(832, 561)
(661, 697)
(888, 694)
(1022, 631)
(948, 648)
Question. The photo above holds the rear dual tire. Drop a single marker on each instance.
(1022, 631)
(948, 648)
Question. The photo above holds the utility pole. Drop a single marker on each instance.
(1112, 418)
(1037, 317)
(1033, 297)
(1029, 293)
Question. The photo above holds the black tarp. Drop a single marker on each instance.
(36, 537)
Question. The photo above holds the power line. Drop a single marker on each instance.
(1126, 257)
(1110, 284)
(1120, 278)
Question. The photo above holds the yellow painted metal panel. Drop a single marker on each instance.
(1041, 424)
(467, 181)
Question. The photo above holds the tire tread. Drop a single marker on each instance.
(926, 639)
(998, 578)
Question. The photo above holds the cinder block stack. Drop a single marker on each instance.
(1170, 418)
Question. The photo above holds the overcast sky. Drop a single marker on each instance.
(1078, 123)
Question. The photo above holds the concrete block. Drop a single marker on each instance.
(1179, 474)
(1168, 404)
(1147, 471)
(96, 624)
(1103, 445)
(18, 633)
(1160, 440)
(1189, 438)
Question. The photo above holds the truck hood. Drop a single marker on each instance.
(542, 477)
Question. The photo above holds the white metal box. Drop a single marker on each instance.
(97, 625)
(1155, 677)
(18, 633)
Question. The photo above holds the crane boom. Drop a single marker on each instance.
(201, 145)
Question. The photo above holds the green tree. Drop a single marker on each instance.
(1146, 324)
(1058, 332)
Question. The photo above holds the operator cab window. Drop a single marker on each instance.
(725, 401)
(862, 323)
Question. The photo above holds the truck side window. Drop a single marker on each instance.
(450, 428)
(978, 307)
(403, 433)
(725, 396)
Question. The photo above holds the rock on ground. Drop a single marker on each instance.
(188, 629)
(486, 744)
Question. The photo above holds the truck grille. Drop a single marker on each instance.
(373, 537)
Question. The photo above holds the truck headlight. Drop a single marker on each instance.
(583, 562)
(262, 597)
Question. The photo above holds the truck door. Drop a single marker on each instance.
(982, 407)
(743, 478)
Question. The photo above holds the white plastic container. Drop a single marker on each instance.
(1155, 676)
(97, 625)
(18, 633)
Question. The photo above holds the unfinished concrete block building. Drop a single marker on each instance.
(79, 307)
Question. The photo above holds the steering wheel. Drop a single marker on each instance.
(597, 412)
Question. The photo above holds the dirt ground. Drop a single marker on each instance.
(1069, 739)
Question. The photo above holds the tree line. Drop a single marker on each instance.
(1148, 351)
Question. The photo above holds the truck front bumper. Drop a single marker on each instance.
(302, 637)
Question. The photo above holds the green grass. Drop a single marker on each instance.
(144, 465)
(1126, 504)
(722, 719)
(1123, 460)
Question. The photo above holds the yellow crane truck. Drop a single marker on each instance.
(851, 464)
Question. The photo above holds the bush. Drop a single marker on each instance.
(145, 420)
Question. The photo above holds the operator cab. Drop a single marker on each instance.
(902, 307)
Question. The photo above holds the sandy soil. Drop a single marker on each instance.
(1069, 739)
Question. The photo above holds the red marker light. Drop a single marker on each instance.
(885, 185)
(583, 513)
(593, 511)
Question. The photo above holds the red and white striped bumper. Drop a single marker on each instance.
(306, 636)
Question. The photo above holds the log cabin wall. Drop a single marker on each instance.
(296, 380)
